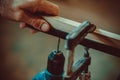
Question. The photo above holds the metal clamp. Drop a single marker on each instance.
(72, 40)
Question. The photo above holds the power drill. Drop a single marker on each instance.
(55, 67)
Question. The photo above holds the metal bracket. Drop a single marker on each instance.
(72, 40)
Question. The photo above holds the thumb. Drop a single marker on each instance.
(37, 22)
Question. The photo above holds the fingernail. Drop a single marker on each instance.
(45, 27)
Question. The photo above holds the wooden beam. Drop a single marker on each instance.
(100, 39)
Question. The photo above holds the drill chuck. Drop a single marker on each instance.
(55, 67)
(55, 63)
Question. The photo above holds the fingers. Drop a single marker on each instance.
(23, 25)
(39, 24)
(33, 31)
(48, 8)
(34, 21)
(41, 6)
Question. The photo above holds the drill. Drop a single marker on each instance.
(55, 67)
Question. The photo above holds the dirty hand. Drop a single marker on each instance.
(25, 11)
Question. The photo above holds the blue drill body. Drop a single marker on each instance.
(55, 67)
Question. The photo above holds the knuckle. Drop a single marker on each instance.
(37, 23)
(56, 11)
(19, 15)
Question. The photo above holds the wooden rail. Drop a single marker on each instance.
(100, 39)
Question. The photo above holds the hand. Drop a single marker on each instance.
(25, 11)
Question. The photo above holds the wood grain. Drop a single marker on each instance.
(100, 39)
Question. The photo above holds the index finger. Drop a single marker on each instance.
(48, 8)
(39, 6)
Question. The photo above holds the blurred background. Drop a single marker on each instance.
(22, 54)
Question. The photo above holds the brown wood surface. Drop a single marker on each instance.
(100, 39)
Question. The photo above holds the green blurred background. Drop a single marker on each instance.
(22, 54)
